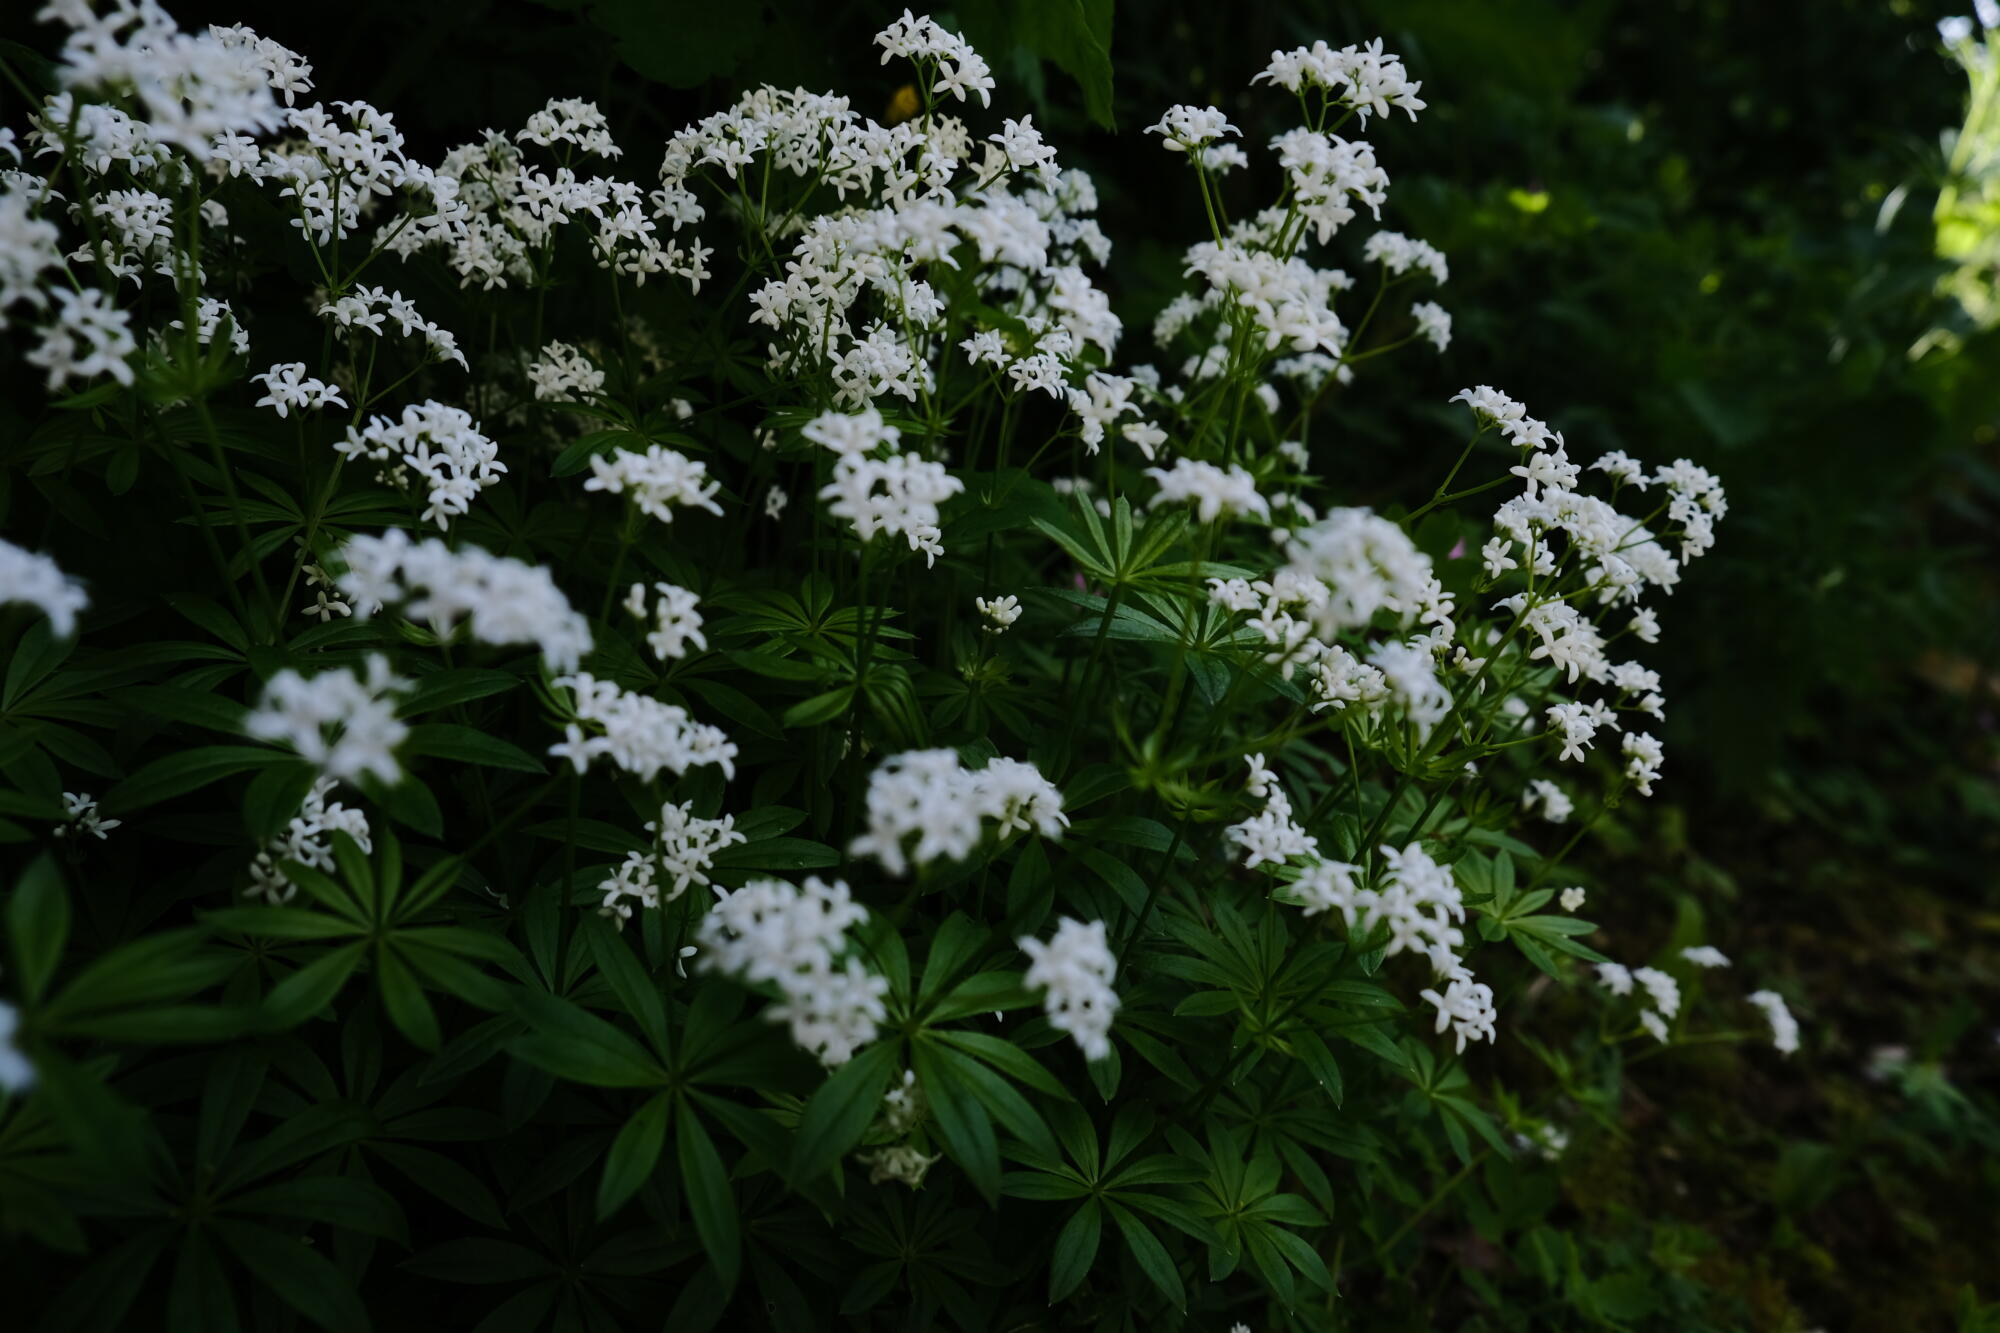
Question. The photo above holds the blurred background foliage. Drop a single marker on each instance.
(1759, 235)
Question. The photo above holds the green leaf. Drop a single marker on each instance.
(300, 1276)
(1152, 1256)
(634, 1154)
(581, 1047)
(962, 1121)
(274, 796)
(38, 919)
(820, 708)
(838, 1114)
(636, 990)
(777, 854)
(467, 745)
(710, 1199)
(311, 988)
(1075, 1248)
(175, 703)
(279, 923)
(409, 803)
(1008, 1058)
(341, 1201)
(455, 685)
(409, 1009)
(189, 770)
(1319, 1061)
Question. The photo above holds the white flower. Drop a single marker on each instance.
(1552, 800)
(1663, 990)
(1572, 899)
(1466, 1006)
(306, 840)
(900, 1163)
(209, 316)
(676, 619)
(1362, 77)
(1272, 836)
(504, 600)
(959, 68)
(1367, 565)
(1654, 1024)
(1617, 978)
(1213, 491)
(1184, 127)
(88, 337)
(684, 847)
(81, 808)
(37, 581)
(1643, 757)
(794, 938)
(931, 796)
(440, 444)
(1433, 323)
(657, 480)
(1399, 254)
(342, 721)
(1704, 955)
(562, 374)
(1074, 969)
(1000, 612)
(287, 386)
(639, 734)
(569, 120)
(1784, 1028)
(17, 1075)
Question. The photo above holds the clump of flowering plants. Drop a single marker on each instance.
(728, 739)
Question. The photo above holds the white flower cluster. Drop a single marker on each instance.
(1417, 899)
(1580, 558)
(1663, 994)
(365, 308)
(563, 374)
(770, 933)
(1551, 800)
(37, 581)
(503, 600)
(1358, 76)
(1400, 254)
(494, 215)
(80, 810)
(930, 795)
(1185, 127)
(209, 315)
(960, 69)
(88, 337)
(1784, 1027)
(17, 1073)
(1271, 836)
(288, 387)
(1215, 492)
(1074, 969)
(877, 489)
(341, 721)
(637, 733)
(1000, 613)
(675, 617)
(306, 841)
(657, 480)
(440, 444)
(684, 848)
